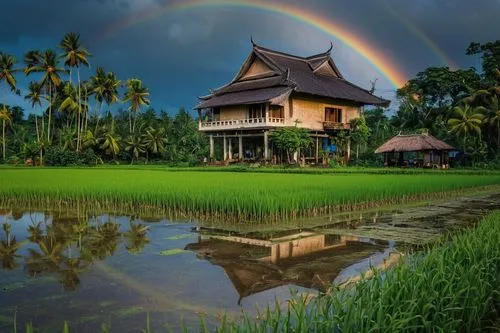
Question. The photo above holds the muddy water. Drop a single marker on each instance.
(92, 269)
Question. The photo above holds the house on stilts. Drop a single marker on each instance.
(274, 89)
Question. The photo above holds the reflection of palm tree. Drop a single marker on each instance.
(70, 270)
(35, 232)
(8, 249)
(48, 259)
(101, 241)
(136, 238)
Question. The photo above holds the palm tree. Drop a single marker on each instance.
(104, 86)
(47, 63)
(155, 141)
(98, 88)
(137, 96)
(493, 115)
(7, 70)
(110, 141)
(135, 146)
(75, 56)
(466, 120)
(6, 119)
(35, 97)
(68, 138)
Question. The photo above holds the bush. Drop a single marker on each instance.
(13, 160)
(89, 157)
(57, 156)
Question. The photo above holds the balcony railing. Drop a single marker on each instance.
(331, 125)
(241, 123)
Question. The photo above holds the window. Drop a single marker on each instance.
(276, 111)
(333, 115)
(256, 111)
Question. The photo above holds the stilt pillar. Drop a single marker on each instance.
(266, 146)
(317, 150)
(225, 147)
(240, 147)
(212, 155)
(230, 148)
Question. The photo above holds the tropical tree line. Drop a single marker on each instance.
(71, 121)
(459, 106)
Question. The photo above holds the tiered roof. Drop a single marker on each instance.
(316, 75)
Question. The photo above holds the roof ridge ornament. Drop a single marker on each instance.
(252, 41)
(330, 49)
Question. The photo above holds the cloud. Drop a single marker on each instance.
(183, 54)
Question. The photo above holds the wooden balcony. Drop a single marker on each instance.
(241, 123)
(331, 125)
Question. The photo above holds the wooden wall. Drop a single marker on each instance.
(311, 112)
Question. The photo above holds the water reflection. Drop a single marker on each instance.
(89, 268)
(8, 248)
(305, 259)
(66, 248)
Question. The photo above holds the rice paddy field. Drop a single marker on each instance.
(241, 195)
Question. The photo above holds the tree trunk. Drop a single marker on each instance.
(498, 135)
(130, 120)
(80, 120)
(50, 110)
(3, 139)
(3, 125)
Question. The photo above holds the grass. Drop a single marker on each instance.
(453, 286)
(242, 196)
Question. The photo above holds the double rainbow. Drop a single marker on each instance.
(384, 64)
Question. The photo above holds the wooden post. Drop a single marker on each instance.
(317, 149)
(225, 147)
(240, 148)
(266, 148)
(230, 148)
(212, 155)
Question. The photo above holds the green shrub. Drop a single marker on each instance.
(57, 156)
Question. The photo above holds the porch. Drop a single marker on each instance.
(248, 123)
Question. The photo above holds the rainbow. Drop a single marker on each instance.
(381, 62)
(414, 29)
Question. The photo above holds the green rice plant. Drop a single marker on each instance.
(226, 195)
(453, 286)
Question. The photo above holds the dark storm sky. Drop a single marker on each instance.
(181, 55)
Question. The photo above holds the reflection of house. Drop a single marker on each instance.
(274, 89)
(305, 259)
(428, 151)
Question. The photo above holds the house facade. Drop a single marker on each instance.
(274, 89)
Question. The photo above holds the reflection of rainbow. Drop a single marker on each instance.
(381, 62)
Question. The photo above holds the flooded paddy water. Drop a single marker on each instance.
(92, 269)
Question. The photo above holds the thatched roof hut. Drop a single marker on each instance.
(413, 143)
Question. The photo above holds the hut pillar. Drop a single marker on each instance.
(230, 149)
(266, 146)
(212, 148)
(240, 147)
(225, 147)
(317, 150)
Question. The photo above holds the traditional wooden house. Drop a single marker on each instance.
(427, 151)
(274, 89)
